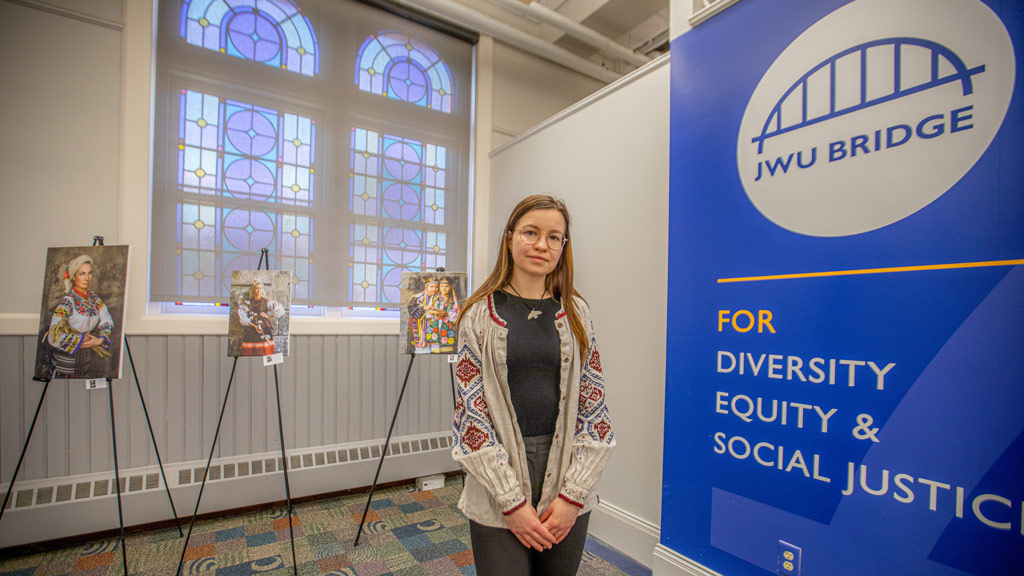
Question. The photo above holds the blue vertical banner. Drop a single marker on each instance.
(845, 378)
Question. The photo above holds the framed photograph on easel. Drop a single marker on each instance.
(260, 312)
(81, 319)
(430, 307)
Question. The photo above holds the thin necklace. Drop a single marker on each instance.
(533, 309)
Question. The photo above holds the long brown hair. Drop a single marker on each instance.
(559, 282)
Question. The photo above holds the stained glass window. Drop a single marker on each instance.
(273, 32)
(397, 195)
(248, 157)
(246, 174)
(403, 67)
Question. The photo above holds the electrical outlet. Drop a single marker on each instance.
(789, 559)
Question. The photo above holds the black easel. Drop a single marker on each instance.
(98, 241)
(391, 428)
(264, 258)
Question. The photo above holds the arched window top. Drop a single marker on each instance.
(403, 67)
(273, 32)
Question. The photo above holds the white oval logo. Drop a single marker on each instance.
(873, 113)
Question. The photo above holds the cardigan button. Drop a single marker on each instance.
(566, 359)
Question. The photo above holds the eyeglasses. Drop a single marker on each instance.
(553, 240)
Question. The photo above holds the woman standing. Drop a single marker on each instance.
(257, 314)
(81, 323)
(531, 425)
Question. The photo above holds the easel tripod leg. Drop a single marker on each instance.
(284, 468)
(384, 452)
(455, 407)
(206, 472)
(117, 475)
(167, 487)
(10, 488)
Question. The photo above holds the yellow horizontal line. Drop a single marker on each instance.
(875, 271)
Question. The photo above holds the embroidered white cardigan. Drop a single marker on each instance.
(486, 439)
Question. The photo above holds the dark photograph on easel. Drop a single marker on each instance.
(82, 314)
(258, 326)
(260, 312)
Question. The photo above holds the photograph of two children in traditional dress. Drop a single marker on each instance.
(430, 307)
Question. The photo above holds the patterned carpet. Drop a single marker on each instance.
(407, 533)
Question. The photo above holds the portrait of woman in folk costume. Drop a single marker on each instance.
(259, 318)
(257, 314)
(81, 313)
(81, 324)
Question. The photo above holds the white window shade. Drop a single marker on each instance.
(331, 133)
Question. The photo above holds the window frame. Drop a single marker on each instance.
(344, 320)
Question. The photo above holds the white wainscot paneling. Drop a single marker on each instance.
(338, 395)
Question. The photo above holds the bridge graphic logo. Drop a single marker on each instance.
(938, 54)
(873, 113)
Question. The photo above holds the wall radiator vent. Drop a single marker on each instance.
(66, 489)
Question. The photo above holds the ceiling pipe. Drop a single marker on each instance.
(475, 20)
(538, 11)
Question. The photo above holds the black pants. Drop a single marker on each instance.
(497, 552)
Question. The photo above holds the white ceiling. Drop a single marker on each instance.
(641, 25)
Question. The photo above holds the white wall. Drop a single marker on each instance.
(608, 159)
(529, 89)
(60, 109)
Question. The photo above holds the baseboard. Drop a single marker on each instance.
(56, 508)
(668, 562)
(626, 532)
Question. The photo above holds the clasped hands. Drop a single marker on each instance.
(96, 344)
(90, 341)
(544, 531)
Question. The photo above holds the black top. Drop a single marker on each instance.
(533, 363)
